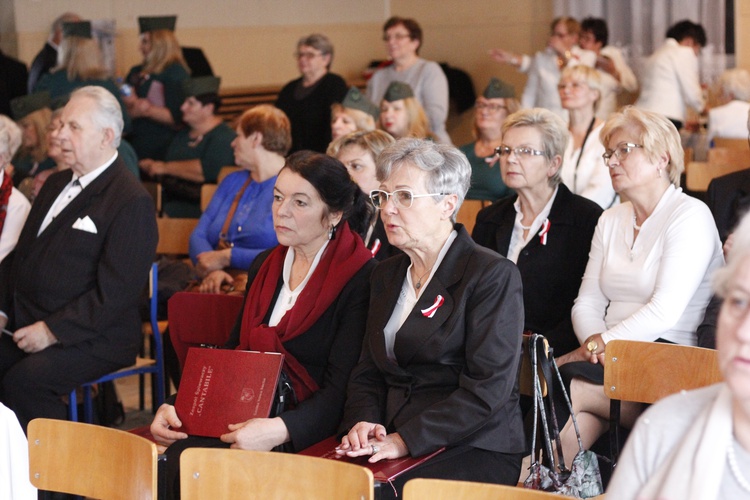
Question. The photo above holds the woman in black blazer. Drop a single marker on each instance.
(546, 230)
(439, 363)
(307, 298)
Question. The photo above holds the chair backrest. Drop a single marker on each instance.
(207, 192)
(698, 175)
(217, 473)
(91, 460)
(226, 171)
(443, 489)
(723, 142)
(730, 156)
(174, 235)
(467, 214)
(645, 372)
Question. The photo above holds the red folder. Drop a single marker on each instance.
(383, 471)
(221, 387)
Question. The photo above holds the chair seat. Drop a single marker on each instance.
(148, 329)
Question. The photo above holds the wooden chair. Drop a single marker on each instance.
(645, 372)
(207, 192)
(723, 142)
(467, 214)
(226, 473)
(443, 489)
(226, 171)
(698, 175)
(174, 235)
(739, 158)
(153, 365)
(90, 460)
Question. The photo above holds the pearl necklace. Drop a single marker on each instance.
(732, 460)
(635, 225)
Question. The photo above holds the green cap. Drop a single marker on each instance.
(397, 91)
(25, 105)
(154, 23)
(201, 85)
(78, 28)
(498, 89)
(355, 99)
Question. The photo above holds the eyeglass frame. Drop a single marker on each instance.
(490, 106)
(520, 151)
(397, 203)
(609, 153)
(297, 55)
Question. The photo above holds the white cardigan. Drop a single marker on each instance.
(658, 286)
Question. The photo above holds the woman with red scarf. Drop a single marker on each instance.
(307, 299)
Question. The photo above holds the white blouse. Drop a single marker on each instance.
(656, 286)
(588, 177)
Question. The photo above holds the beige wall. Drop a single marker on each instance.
(250, 42)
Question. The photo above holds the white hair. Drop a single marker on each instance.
(108, 113)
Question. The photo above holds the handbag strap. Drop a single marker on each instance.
(539, 409)
(547, 372)
(233, 208)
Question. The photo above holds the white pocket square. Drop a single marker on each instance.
(85, 224)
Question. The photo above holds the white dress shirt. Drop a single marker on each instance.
(659, 284)
(517, 241)
(610, 86)
(15, 217)
(589, 177)
(69, 193)
(671, 81)
(544, 75)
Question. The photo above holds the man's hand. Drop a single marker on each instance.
(34, 338)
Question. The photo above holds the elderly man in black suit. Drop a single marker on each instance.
(69, 292)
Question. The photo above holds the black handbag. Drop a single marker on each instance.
(583, 480)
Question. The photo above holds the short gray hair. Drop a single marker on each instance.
(320, 42)
(447, 169)
(10, 137)
(552, 128)
(108, 111)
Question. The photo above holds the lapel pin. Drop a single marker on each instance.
(543, 233)
(430, 311)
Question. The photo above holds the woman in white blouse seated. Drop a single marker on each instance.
(649, 269)
(696, 444)
(730, 119)
(14, 207)
(580, 91)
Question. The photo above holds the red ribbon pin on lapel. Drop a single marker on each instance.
(430, 311)
(543, 233)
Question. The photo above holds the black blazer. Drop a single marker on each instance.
(85, 286)
(551, 273)
(456, 381)
(13, 76)
(328, 351)
(728, 197)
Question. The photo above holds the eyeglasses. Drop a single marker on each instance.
(521, 152)
(620, 152)
(489, 107)
(402, 198)
(395, 36)
(306, 55)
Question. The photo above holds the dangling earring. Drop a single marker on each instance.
(658, 172)
(331, 232)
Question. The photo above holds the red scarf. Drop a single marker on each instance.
(6, 187)
(341, 260)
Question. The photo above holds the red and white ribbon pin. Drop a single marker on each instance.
(430, 311)
(375, 247)
(543, 233)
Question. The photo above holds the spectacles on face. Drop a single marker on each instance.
(395, 36)
(521, 152)
(620, 152)
(402, 198)
(306, 55)
(489, 106)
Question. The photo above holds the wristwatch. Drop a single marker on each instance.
(592, 346)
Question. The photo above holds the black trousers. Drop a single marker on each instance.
(32, 384)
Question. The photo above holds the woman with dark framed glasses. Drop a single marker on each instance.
(649, 270)
(545, 229)
(490, 111)
(440, 357)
